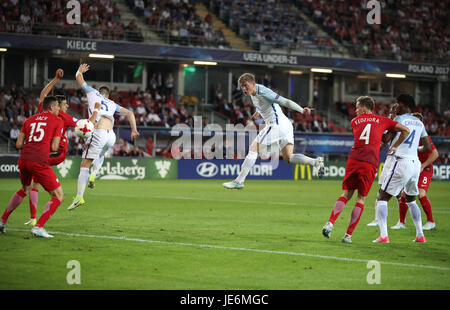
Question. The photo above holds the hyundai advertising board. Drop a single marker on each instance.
(229, 169)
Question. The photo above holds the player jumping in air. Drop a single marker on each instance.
(40, 134)
(278, 130)
(103, 137)
(362, 161)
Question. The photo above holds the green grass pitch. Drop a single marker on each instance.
(194, 234)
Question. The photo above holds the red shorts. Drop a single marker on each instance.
(359, 175)
(41, 174)
(425, 179)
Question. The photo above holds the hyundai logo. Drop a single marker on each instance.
(207, 170)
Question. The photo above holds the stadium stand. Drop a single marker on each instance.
(176, 22)
(422, 35)
(281, 28)
(101, 20)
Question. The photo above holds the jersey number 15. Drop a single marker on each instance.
(36, 129)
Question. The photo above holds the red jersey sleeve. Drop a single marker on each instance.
(389, 123)
(69, 120)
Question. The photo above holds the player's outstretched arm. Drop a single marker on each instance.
(132, 120)
(93, 117)
(404, 133)
(79, 74)
(58, 75)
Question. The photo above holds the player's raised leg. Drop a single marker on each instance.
(83, 178)
(318, 165)
(96, 165)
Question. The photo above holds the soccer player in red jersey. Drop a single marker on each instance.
(362, 161)
(426, 174)
(60, 155)
(40, 134)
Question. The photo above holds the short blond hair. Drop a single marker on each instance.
(367, 102)
(246, 77)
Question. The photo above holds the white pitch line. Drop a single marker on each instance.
(316, 205)
(239, 249)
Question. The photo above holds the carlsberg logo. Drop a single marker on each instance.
(115, 171)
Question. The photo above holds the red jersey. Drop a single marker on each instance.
(39, 131)
(368, 130)
(424, 156)
(68, 120)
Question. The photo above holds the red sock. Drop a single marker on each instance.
(426, 205)
(338, 207)
(356, 215)
(33, 202)
(15, 201)
(50, 208)
(403, 209)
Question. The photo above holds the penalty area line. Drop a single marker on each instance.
(124, 238)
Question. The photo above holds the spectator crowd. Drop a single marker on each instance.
(100, 19)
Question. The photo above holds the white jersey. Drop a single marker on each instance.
(408, 149)
(108, 107)
(266, 103)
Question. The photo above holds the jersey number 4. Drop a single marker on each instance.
(36, 129)
(365, 135)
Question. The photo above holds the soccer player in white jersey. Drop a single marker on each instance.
(278, 130)
(103, 137)
(405, 171)
(390, 158)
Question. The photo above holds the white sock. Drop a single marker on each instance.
(302, 159)
(247, 165)
(382, 213)
(416, 217)
(83, 177)
(97, 164)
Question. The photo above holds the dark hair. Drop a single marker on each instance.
(60, 98)
(366, 101)
(48, 102)
(407, 100)
(104, 88)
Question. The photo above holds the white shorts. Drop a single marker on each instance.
(404, 174)
(101, 141)
(390, 161)
(280, 134)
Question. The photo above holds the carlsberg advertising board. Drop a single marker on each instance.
(123, 168)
